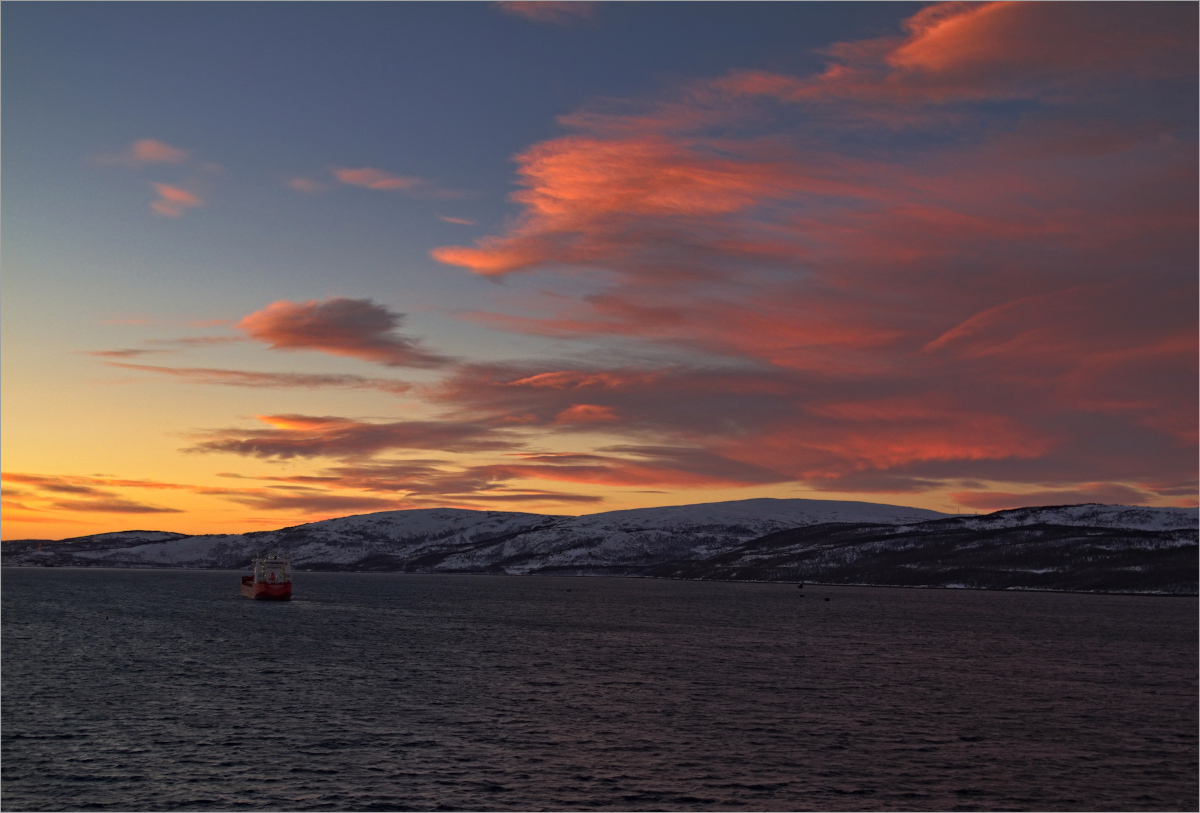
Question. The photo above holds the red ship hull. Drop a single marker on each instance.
(264, 591)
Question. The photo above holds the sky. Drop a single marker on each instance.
(270, 263)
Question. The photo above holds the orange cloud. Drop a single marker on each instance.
(173, 201)
(112, 505)
(86, 494)
(357, 328)
(314, 502)
(586, 197)
(1106, 493)
(586, 413)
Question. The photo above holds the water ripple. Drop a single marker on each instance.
(392, 692)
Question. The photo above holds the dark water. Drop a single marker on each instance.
(137, 690)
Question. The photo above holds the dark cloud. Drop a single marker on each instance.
(249, 378)
(306, 436)
(358, 328)
(112, 505)
(314, 503)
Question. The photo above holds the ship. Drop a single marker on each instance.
(272, 579)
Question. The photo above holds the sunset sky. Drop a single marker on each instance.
(269, 263)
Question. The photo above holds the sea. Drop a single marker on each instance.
(167, 690)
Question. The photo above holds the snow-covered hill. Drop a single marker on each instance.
(1091, 515)
(643, 536)
(454, 539)
(761, 538)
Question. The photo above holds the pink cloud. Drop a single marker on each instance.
(381, 181)
(305, 185)
(994, 50)
(912, 286)
(549, 11)
(377, 179)
(873, 279)
(173, 201)
(357, 328)
(146, 151)
(586, 413)
(462, 221)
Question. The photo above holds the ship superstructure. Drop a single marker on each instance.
(272, 578)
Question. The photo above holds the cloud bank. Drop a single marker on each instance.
(962, 252)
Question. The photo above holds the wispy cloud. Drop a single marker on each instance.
(549, 11)
(174, 201)
(313, 502)
(112, 505)
(145, 151)
(123, 353)
(377, 179)
(462, 221)
(248, 378)
(92, 494)
(300, 436)
(186, 342)
(357, 328)
(380, 180)
(176, 198)
(306, 185)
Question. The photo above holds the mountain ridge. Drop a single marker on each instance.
(1088, 546)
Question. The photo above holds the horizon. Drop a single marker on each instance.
(379, 257)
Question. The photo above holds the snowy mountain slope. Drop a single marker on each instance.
(452, 539)
(1092, 515)
(329, 544)
(643, 536)
(948, 553)
(207, 551)
(48, 551)
(761, 539)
